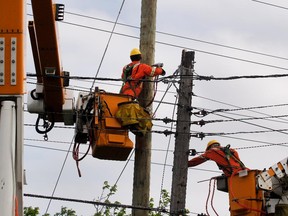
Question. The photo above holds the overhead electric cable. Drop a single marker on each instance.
(160, 102)
(257, 125)
(181, 47)
(62, 150)
(59, 176)
(182, 37)
(264, 146)
(202, 135)
(69, 88)
(203, 122)
(252, 140)
(208, 78)
(166, 155)
(94, 202)
(122, 171)
(154, 163)
(220, 102)
(242, 132)
(269, 117)
(178, 46)
(248, 108)
(166, 79)
(273, 5)
(107, 45)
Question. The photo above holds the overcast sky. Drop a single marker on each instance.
(230, 38)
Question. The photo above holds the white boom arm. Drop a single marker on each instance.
(275, 178)
(275, 182)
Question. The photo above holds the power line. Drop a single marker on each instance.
(254, 141)
(166, 155)
(58, 179)
(188, 48)
(154, 163)
(108, 43)
(182, 37)
(242, 132)
(181, 47)
(202, 135)
(273, 5)
(203, 122)
(166, 120)
(238, 107)
(244, 108)
(209, 78)
(178, 36)
(264, 146)
(257, 125)
(166, 79)
(95, 203)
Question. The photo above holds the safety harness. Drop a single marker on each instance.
(229, 154)
(127, 76)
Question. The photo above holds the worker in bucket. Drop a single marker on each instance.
(131, 114)
(226, 158)
(134, 72)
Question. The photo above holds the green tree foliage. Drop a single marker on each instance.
(66, 212)
(107, 192)
(163, 204)
(30, 211)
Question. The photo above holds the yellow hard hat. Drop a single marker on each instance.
(135, 51)
(210, 143)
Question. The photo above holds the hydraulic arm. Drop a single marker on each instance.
(94, 113)
(45, 48)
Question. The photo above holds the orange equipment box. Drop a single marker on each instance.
(111, 141)
(244, 197)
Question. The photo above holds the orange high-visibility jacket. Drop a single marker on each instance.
(227, 165)
(133, 85)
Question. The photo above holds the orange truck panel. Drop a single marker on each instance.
(12, 24)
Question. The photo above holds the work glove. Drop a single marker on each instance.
(163, 72)
(158, 65)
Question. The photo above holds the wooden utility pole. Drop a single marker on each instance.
(180, 164)
(142, 164)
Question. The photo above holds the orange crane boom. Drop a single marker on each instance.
(44, 41)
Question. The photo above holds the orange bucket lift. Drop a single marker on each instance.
(111, 139)
(108, 139)
(245, 199)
